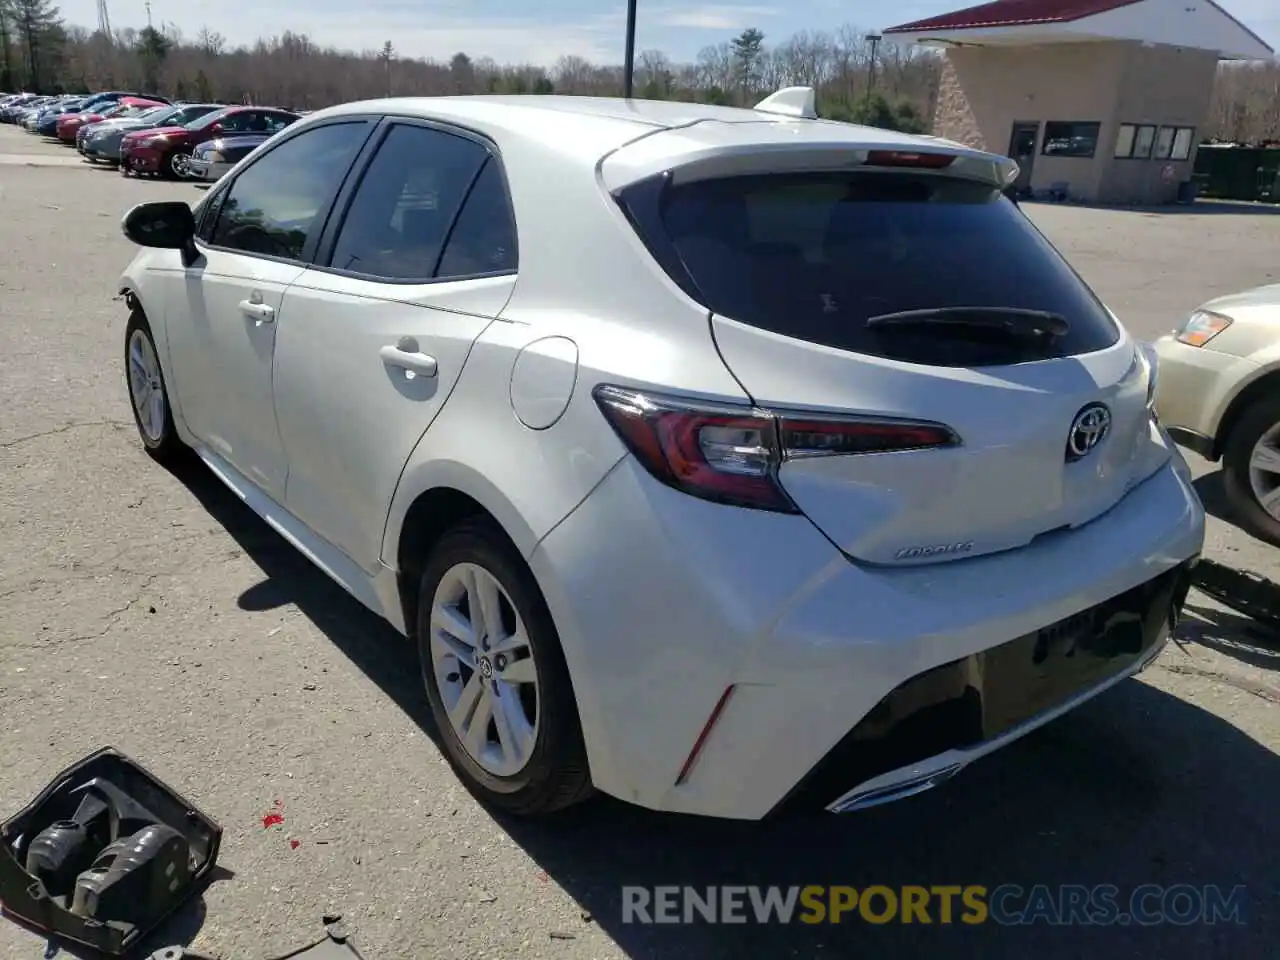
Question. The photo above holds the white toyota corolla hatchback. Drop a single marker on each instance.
(718, 459)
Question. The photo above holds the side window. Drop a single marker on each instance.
(235, 122)
(399, 216)
(278, 202)
(484, 237)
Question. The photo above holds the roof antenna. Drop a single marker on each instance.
(791, 102)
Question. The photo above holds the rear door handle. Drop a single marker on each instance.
(406, 356)
(262, 312)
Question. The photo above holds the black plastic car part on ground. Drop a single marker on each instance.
(104, 854)
(1243, 591)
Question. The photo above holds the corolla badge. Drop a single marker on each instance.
(1088, 429)
(933, 550)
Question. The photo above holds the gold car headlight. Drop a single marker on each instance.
(1201, 327)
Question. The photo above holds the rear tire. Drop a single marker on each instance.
(553, 772)
(1256, 431)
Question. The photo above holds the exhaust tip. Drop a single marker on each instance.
(863, 800)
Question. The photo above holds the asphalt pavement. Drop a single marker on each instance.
(157, 614)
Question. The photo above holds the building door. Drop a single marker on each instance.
(1022, 148)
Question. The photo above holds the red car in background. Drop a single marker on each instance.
(72, 122)
(167, 150)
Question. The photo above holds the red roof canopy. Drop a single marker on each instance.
(1013, 13)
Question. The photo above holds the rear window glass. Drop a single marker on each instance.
(815, 256)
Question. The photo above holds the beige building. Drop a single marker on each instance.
(1097, 100)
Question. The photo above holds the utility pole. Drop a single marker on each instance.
(874, 40)
(148, 6)
(629, 60)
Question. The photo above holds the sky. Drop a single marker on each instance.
(541, 31)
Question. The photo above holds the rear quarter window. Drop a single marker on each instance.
(815, 256)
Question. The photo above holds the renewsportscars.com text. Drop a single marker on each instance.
(1007, 905)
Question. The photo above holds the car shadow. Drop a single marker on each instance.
(1213, 495)
(1136, 787)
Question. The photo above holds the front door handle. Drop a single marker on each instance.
(406, 356)
(261, 312)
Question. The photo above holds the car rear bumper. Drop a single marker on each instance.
(932, 726)
(1194, 389)
(200, 169)
(828, 683)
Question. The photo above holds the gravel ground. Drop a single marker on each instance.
(160, 616)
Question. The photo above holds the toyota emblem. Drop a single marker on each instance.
(1088, 429)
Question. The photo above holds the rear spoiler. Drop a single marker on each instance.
(797, 141)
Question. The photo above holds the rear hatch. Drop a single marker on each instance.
(896, 289)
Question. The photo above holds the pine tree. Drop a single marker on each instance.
(153, 48)
(748, 51)
(6, 47)
(39, 31)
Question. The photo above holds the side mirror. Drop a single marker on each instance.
(165, 224)
(215, 127)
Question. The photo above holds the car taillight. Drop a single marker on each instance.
(730, 454)
(909, 158)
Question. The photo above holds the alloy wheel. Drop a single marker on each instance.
(484, 669)
(145, 387)
(1264, 471)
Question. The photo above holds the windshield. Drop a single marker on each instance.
(208, 120)
(815, 256)
(155, 114)
(188, 115)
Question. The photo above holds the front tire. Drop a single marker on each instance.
(148, 394)
(1251, 469)
(175, 165)
(496, 677)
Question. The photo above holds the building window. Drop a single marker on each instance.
(1070, 139)
(1164, 143)
(1124, 140)
(1143, 142)
(1135, 140)
(1182, 140)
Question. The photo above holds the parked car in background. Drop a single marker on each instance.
(33, 114)
(1219, 396)
(19, 113)
(128, 117)
(70, 124)
(214, 158)
(102, 141)
(45, 124)
(165, 151)
(14, 105)
(724, 459)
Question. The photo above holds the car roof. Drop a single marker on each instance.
(587, 129)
